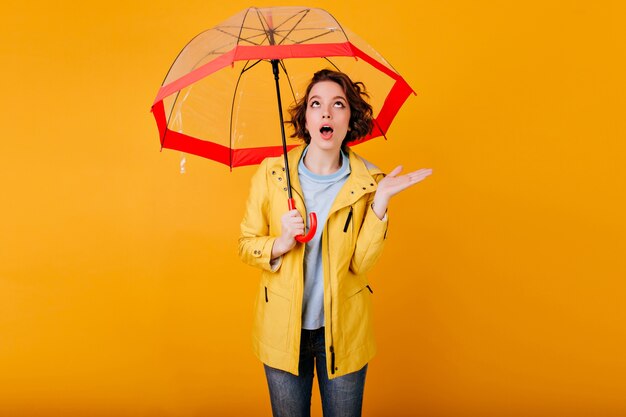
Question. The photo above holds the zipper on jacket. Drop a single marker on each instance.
(332, 339)
(368, 287)
(266, 299)
(345, 228)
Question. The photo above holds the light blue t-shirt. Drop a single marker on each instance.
(319, 194)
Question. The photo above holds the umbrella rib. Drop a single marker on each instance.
(379, 128)
(339, 26)
(239, 38)
(306, 28)
(215, 52)
(303, 11)
(271, 31)
(251, 66)
(264, 32)
(312, 37)
(242, 25)
(293, 94)
(246, 67)
(265, 28)
(322, 34)
(285, 37)
(304, 14)
(167, 120)
(333, 64)
(232, 111)
(248, 39)
(178, 56)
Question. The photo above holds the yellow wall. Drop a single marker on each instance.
(502, 291)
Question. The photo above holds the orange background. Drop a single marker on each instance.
(502, 289)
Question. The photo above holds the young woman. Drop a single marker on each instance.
(313, 309)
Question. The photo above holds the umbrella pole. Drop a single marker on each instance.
(292, 204)
(282, 127)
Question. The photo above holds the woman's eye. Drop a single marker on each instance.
(339, 104)
(315, 103)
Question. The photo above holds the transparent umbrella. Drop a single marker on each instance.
(221, 98)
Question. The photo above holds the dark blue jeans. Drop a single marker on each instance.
(291, 395)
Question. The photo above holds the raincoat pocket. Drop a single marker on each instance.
(358, 307)
(360, 289)
(354, 285)
(272, 317)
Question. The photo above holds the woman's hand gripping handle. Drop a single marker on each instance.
(312, 224)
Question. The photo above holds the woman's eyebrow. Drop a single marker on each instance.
(334, 98)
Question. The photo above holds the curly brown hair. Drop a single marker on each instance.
(361, 114)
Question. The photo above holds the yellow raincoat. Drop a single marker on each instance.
(352, 241)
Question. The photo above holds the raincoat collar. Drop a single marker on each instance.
(361, 180)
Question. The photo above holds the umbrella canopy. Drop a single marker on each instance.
(218, 99)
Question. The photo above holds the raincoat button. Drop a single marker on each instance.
(351, 192)
(285, 189)
(364, 188)
(372, 184)
(273, 172)
(280, 178)
(283, 168)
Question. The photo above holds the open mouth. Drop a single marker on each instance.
(326, 132)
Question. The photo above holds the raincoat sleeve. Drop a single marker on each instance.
(371, 239)
(255, 242)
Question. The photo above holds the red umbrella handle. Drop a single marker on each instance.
(312, 223)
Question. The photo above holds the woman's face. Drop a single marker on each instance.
(327, 115)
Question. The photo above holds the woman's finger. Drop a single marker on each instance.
(395, 171)
(420, 174)
(297, 231)
(423, 171)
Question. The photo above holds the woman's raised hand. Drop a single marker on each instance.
(394, 183)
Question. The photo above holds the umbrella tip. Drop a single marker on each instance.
(183, 161)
